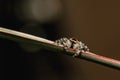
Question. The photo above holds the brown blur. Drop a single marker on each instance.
(95, 22)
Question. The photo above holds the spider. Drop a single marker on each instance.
(72, 43)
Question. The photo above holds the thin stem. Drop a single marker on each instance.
(50, 45)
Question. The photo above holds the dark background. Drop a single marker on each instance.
(94, 22)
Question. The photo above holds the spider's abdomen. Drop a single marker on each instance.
(64, 42)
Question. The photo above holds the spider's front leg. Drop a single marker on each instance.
(77, 52)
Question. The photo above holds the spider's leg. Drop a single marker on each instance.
(77, 52)
(65, 47)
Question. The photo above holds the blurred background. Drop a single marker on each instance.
(95, 22)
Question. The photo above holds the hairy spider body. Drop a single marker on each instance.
(72, 43)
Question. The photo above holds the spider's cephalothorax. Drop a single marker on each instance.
(72, 43)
